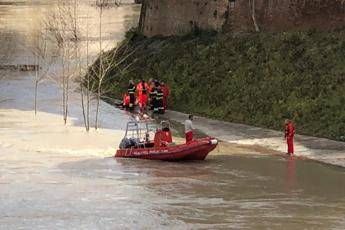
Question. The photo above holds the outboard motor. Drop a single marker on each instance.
(125, 143)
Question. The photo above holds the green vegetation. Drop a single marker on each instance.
(257, 79)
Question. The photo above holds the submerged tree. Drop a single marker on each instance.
(66, 27)
(83, 66)
(44, 58)
(106, 62)
(62, 25)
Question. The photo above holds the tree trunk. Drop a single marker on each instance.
(100, 71)
(36, 86)
(83, 104)
(88, 80)
(97, 108)
(63, 88)
(67, 89)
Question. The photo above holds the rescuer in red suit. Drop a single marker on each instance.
(142, 91)
(163, 137)
(125, 100)
(166, 92)
(289, 136)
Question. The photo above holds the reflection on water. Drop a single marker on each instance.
(20, 21)
(226, 192)
(290, 173)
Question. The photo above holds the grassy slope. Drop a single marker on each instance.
(256, 79)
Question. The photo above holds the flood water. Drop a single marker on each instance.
(74, 188)
(223, 192)
(20, 21)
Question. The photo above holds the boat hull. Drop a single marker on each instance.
(196, 150)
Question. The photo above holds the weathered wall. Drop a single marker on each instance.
(174, 17)
(282, 15)
(171, 17)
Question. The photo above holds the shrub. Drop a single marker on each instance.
(257, 79)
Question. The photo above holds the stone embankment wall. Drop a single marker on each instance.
(174, 17)
(283, 15)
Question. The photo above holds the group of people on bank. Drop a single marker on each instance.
(152, 95)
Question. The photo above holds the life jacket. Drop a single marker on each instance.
(131, 89)
(162, 138)
(159, 94)
(153, 93)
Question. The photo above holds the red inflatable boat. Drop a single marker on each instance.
(138, 144)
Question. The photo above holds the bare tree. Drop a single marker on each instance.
(62, 25)
(65, 26)
(88, 82)
(106, 61)
(84, 77)
(101, 72)
(43, 58)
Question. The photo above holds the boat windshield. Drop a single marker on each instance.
(142, 131)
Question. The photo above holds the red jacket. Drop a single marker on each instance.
(141, 88)
(289, 130)
(166, 91)
(125, 99)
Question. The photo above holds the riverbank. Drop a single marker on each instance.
(265, 141)
(255, 79)
(21, 130)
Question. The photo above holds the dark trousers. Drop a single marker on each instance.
(131, 100)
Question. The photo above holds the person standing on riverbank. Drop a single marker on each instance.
(289, 136)
(188, 129)
(152, 93)
(158, 107)
(142, 90)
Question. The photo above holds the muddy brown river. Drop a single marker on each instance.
(50, 191)
(68, 186)
(239, 192)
